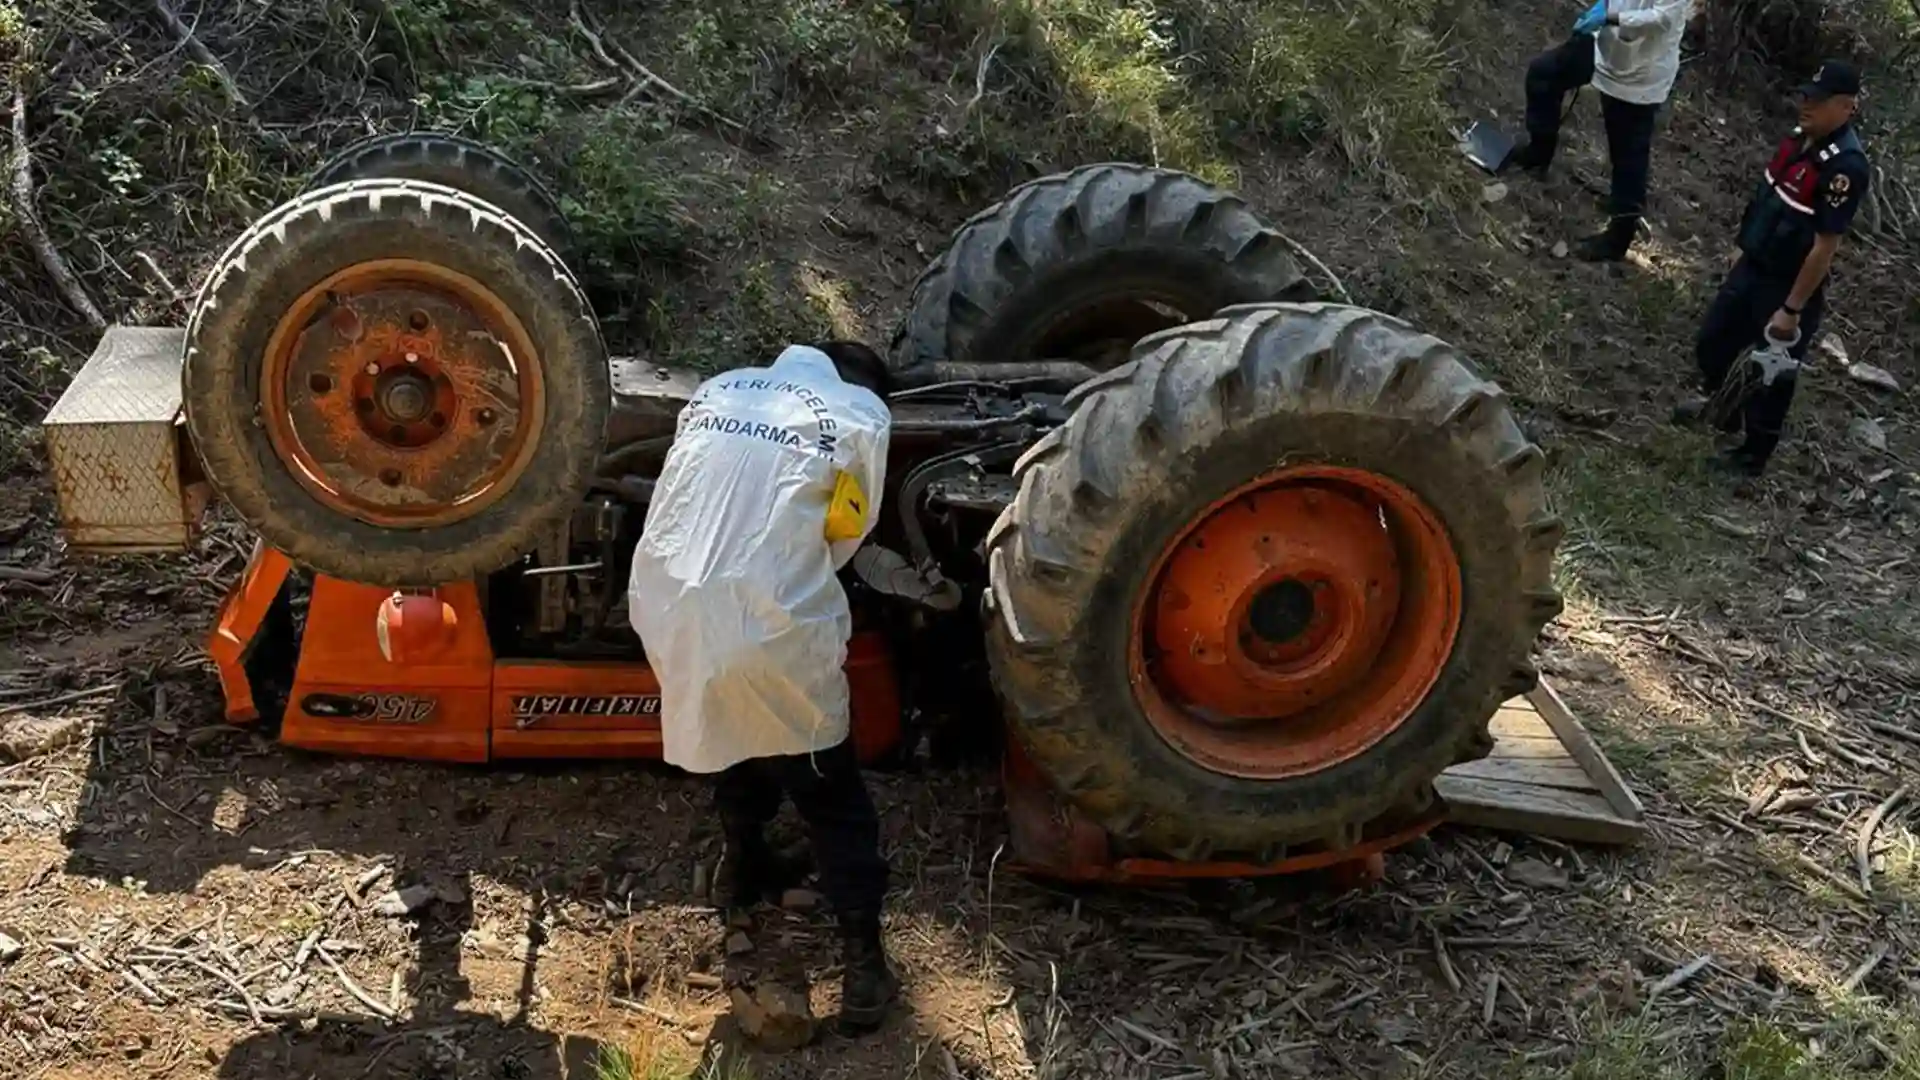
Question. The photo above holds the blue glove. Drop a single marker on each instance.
(1593, 20)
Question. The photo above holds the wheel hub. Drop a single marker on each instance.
(1300, 620)
(402, 393)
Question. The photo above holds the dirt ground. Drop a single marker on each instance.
(189, 900)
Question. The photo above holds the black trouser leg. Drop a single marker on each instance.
(1630, 129)
(747, 796)
(832, 799)
(1766, 414)
(1728, 327)
(1551, 76)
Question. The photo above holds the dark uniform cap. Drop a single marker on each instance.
(1834, 77)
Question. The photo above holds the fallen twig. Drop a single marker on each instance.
(1445, 961)
(202, 55)
(1490, 998)
(1894, 730)
(31, 227)
(346, 980)
(1866, 967)
(1680, 975)
(32, 575)
(61, 699)
(1863, 845)
(1828, 876)
(253, 1007)
(645, 74)
(1302, 251)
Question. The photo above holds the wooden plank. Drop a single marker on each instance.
(1517, 746)
(1515, 721)
(1563, 772)
(1585, 751)
(1526, 808)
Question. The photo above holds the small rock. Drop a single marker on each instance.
(24, 737)
(1502, 851)
(1795, 595)
(1868, 433)
(1561, 250)
(799, 899)
(1494, 192)
(1832, 348)
(739, 944)
(1877, 377)
(1536, 874)
(402, 902)
(778, 1018)
(10, 948)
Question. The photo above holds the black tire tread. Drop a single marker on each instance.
(1043, 228)
(279, 253)
(1054, 561)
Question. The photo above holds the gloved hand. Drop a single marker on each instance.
(1593, 20)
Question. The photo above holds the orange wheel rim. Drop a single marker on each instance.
(402, 393)
(1297, 622)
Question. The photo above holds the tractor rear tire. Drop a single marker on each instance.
(1157, 444)
(279, 264)
(459, 163)
(1080, 265)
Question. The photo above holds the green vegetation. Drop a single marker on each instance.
(1637, 1048)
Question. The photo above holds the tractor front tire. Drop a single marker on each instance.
(1080, 265)
(1166, 441)
(347, 289)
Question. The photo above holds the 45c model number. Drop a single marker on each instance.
(376, 708)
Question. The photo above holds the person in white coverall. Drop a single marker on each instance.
(735, 597)
(1630, 51)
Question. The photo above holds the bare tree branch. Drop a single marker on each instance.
(31, 227)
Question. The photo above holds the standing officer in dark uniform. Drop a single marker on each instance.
(1788, 237)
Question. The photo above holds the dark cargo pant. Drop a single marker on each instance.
(1736, 320)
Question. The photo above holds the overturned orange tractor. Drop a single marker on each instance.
(1240, 572)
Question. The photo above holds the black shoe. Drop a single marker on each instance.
(1608, 245)
(867, 984)
(1529, 157)
(752, 872)
(1740, 461)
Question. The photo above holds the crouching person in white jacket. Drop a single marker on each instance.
(773, 481)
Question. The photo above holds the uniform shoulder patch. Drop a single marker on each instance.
(1839, 190)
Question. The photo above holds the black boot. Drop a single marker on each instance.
(867, 985)
(1610, 244)
(1532, 157)
(1742, 461)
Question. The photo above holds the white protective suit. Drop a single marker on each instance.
(1639, 60)
(733, 590)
